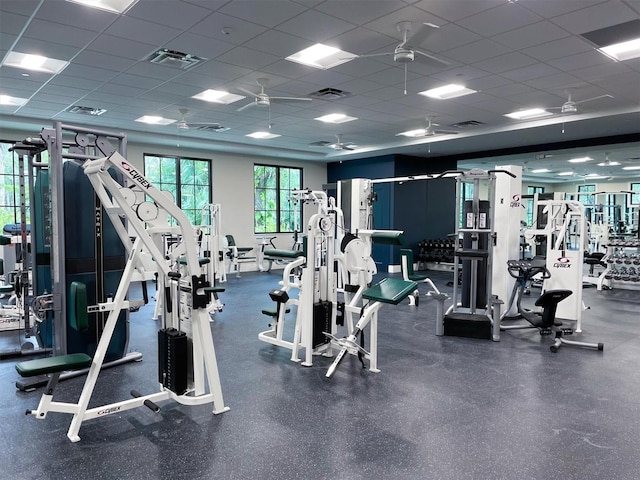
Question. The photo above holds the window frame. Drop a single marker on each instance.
(583, 194)
(530, 201)
(634, 198)
(280, 193)
(193, 213)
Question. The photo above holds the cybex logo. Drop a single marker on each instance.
(133, 173)
(515, 201)
(107, 411)
(562, 262)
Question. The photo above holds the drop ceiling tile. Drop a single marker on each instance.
(387, 24)
(327, 77)
(137, 81)
(246, 57)
(74, 14)
(102, 60)
(580, 60)
(453, 10)
(360, 67)
(91, 73)
(315, 26)
(487, 82)
(550, 9)
(509, 90)
(173, 14)
(20, 7)
(43, 110)
(503, 63)
(357, 86)
(152, 70)
(122, 47)
(7, 73)
(298, 88)
(463, 73)
(598, 16)
(208, 4)
(449, 37)
(353, 11)
(45, 48)
(558, 48)
(75, 82)
(357, 101)
(362, 41)
(263, 13)
(536, 99)
(218, 71)
(558, 80)
(62, 90)
(164, 97)
(508, 16)
(277, 43)
(611, 71)
(238, 30)
(199, 45)
(250, 81)
(288, 69)
(531, 35)
(44, 30)
(498, 106)
(12, 24)
(141, 31)
(528, 73)
(476, 51)
(52, 100)
(120, 90)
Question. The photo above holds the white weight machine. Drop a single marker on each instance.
(188, 371)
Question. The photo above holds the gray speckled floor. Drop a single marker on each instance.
(441, 408)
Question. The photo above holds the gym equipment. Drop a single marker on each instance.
(408, 275)
(237, 255)
(268, 256)
(545, 321)
(622, 262)
(184, 316)
(475, 311)
(564, 238)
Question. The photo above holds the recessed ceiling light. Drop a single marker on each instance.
(218, 96)
(336, 118)
(155, 120)
(530, 113)
(115, 6)
(36, 63)
(13, 101)
(447, 91)
(595, 176)
(321, 56)
(580, 160)
(262, 135)
(622, 51)
(565, 174)
(636, 167)
(419, 132)
(540, 170)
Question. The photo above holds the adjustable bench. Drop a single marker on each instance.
(391, 291)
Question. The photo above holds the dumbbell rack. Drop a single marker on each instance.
(436, 254)
(623, 265)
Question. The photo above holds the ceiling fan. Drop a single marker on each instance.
(339, 145)
(407, 51)
(571, 106)
(428, 131)
(182, 124)
(261, 99)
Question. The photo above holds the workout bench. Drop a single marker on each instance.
(390, 291)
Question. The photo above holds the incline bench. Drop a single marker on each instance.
(390, 291)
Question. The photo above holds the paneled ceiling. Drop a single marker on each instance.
(517, 54)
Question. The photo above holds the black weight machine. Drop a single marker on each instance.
(545, 320)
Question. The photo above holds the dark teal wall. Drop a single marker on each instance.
(423, 209)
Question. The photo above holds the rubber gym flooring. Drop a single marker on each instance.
(441, 408)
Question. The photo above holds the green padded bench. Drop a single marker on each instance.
(5, 240)
(390, 290)
(45, 366)
(202, 260)
(214, 289)
(390, 237)
(281, 254)
(273, 312)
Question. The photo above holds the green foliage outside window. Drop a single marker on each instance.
(273, 212)
(635, 197)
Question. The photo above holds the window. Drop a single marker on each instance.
(10, 186)
(635, 196)
(466, 193)
(187, 179)
(273, 212)
(585, 198)
(531, 191)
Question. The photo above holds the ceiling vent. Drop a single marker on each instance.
(211, 128)
(467, 124)
(175, 59)
(86, 110)
(329, 94)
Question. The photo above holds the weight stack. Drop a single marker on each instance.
(321, 322)
(172, 360)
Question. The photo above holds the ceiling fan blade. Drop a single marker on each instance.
(321, 143)
(289, 99)
(252, 104)
(421, 34)
(349, 147)
(248, 92)
(445, 132)
(424, 57)
(594, 98)
(212, 124)
(375, 55)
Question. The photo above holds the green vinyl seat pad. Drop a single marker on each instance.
(390, 290)
(60, 363)
(276, 253)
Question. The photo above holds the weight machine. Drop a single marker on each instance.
(188, 371)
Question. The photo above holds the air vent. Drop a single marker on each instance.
(175, 59)
(211, 128)
(329, 94)
(467, 124)
(86, 110)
